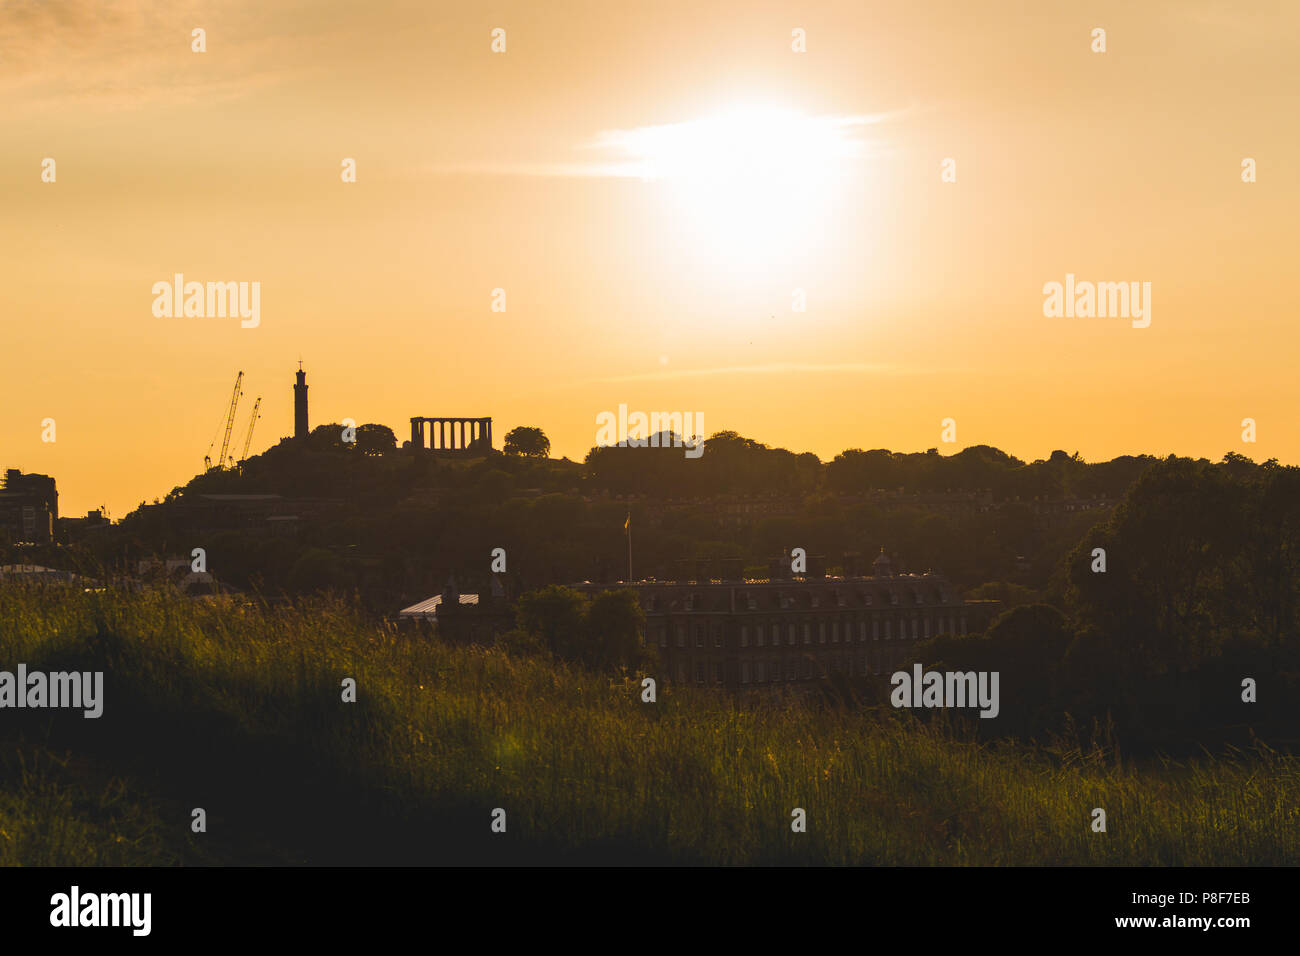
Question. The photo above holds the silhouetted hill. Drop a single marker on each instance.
(318, 513)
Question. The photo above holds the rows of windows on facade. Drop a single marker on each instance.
(803, 629)
(29, 508)
(742, 632)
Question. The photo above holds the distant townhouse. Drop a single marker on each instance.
(765, 633)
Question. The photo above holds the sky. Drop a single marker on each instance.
(657, 188)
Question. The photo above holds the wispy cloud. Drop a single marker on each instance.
(114, 54)
(709, 146)
(771, 368)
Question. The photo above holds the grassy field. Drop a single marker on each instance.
(238, 710)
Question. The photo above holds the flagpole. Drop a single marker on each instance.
(628, 528)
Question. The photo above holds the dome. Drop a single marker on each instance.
(882, 567)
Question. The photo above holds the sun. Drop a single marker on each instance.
(751, 185)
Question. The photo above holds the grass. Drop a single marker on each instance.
(237, 709)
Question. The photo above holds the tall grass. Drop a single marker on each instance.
(237, 709)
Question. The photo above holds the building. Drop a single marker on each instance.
(464, 618)
(452, 437)
(300, 429)
(765, 633)
(72, 530)
(29, 508)
(36, 574)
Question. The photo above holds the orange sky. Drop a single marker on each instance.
(479, 171)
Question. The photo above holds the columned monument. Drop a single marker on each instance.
(467, 437)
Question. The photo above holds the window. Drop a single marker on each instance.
(875, 629)
(776, 634)
(888, 628)
(760, 634)
(807, 633)
(681, 635)
(699, 672)
(835, 632)
(744, 672)
(821, 632)
(789, 634)
(699, 635)
(927, 627)
(717, 635)
(913, 628)
(744, 635)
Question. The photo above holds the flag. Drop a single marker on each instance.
(627, 525)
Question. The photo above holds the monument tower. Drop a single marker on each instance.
(300, 404)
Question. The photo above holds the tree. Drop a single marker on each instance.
(557, 615)
(374, 440)
(604, 632)
(526, 441)
(614, 624)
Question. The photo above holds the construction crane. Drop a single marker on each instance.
(252, 420)
(230, 423)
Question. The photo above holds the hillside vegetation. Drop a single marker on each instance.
(237, 709)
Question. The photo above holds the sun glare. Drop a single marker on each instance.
(751, 185)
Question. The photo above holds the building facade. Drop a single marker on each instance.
(743, 634)
(29, 508)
